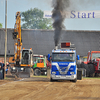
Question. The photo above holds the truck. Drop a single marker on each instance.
(63, 65)
(84, 59)
(23, 58)
(93, 63)
(40, 67)
(35, 57)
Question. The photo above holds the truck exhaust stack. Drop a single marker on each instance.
(56, 47)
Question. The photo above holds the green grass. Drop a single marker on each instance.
(5, 78)
(91, 77)
(42, 76)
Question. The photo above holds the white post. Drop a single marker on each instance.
(5, 33)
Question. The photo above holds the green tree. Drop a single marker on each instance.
(0, 25)
(33, 19)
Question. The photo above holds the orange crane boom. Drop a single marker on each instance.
(23, 58)
(17, 38)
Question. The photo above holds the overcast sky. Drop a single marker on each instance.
(45, 5)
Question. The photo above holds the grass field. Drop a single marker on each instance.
(43, 76)
(91, 77)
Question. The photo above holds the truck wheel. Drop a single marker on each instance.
(87, 70)
(91, 70)
(78, 66)
(75, 80)
(82, 65)
(37, 72)
(51, 80)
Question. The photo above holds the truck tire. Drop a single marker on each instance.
(51, 80)
(82, 65)
(86, 67)
(37, 72)
(75, 80)
(87, 70)
(91, 70)
(78, 66)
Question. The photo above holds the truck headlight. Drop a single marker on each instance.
(13, 68)
(71, 72)
(53, 72)
(22, 68)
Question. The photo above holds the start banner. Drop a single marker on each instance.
(76, 14)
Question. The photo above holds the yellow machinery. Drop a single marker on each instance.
(23, 58)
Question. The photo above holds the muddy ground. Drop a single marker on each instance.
(42, 89)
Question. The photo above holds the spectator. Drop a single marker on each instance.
(1, 70)
(7, 67)
(35, 61)
(0, 65)
(41, 60)
(3, 67)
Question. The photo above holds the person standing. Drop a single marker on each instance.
(3, 67)
(7, 67)
(1, 70)
(0, 65)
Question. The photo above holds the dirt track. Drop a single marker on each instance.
(42, 89)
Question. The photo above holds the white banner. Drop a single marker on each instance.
(76, 14)
(47, 14)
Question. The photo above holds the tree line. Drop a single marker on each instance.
(0, 25)
(33, 19)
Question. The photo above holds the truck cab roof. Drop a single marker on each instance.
(64, 50)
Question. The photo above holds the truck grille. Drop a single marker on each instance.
(62, 72)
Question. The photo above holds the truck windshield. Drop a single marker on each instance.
(63, 57)
(95, 55)
(25, 57)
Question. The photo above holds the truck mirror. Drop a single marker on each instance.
(78, 57)
(30, 52)
(49, 57)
